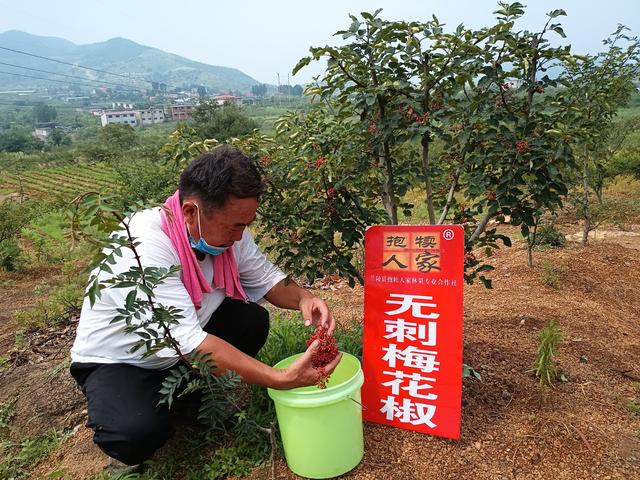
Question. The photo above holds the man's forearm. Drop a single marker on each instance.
(286, 295)
(227, 357)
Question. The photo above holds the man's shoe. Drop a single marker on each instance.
(116, 468)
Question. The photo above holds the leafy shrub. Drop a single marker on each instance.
(548, 235)
(221, 122)
(144, 180)
(47, 240)
(13, 216)
(10, 258)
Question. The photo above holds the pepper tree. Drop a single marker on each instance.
(469, 116)
(596, 86)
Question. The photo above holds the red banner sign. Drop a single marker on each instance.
(412, 357)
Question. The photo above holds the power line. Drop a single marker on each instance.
(52, 80)
(129, 77)
(71, 64)
(71, 76)
(58, 107)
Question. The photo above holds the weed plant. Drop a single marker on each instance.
(550, 274)
(633, 406)
(545, 368)
(7, 411)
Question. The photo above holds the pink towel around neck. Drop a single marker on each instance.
(225, 269)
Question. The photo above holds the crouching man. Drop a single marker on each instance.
(223, 274)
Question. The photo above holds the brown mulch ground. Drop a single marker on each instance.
(511, 429)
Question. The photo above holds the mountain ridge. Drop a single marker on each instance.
(116, 55)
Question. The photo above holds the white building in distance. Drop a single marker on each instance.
(125, 117)
(151, 116)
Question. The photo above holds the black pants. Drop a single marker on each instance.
(122, 399)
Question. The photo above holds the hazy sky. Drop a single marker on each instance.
(263, 38)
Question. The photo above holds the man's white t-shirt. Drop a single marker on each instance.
(100, 341)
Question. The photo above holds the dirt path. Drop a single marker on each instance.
(511, 429)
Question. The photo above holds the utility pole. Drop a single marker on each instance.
(278, 93)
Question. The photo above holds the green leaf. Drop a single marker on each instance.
(303, 62)
(486, 282)
(145, 289)
(131, 298)
(557, 13)
(469, 372)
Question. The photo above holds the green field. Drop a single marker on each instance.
(64, 182)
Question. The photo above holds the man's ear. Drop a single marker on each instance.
(190, 213)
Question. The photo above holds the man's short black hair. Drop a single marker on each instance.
(213, 176)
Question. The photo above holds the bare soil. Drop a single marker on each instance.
(511, 428)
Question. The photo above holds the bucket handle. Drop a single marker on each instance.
(356, 401)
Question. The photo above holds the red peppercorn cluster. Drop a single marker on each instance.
(325, 353)
(522, 146)
(422, 119)
(320, 161)
(265, 160)
(332, 192)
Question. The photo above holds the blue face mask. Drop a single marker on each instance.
(201, 245)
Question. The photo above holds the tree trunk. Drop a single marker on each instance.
(452, 191)
(531, 243)
(388, 194)
(600, 193)
(481, 226)
(585, 200)
(426, 168)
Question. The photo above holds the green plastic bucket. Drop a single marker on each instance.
(322, 429)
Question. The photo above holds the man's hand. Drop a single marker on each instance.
(301, 372)
(315, 312)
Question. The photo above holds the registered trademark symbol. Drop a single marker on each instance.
(448, 234)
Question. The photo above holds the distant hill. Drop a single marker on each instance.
(117, 55)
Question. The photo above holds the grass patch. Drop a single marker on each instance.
(228, 461)
(17, 459)
(50, 310)
(54, 304)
